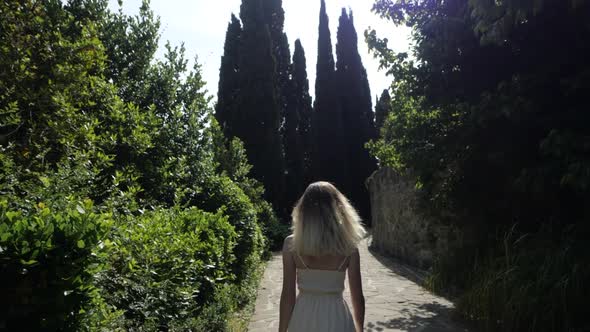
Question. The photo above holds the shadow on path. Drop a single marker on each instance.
(426, 317)
(426, 313)
(396, 266)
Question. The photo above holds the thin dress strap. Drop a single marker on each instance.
(301, 259)
(342, 264)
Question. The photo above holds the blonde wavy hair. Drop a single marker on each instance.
(325, 223)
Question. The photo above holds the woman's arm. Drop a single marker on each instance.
(288, 292)
(356, 291)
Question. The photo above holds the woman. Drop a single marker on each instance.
(323, 246)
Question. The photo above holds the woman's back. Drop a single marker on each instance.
(325, 262)
(320, 305)
(321, 274)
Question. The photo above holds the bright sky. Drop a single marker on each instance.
(202, 24)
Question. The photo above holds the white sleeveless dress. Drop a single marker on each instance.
(320, 306)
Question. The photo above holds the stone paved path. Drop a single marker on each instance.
(394, 301)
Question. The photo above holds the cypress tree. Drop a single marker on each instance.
(254, 91)
(302, 102)
(258, 119)
(328, 156)
(357, 111)
(293, 144)
(382, 108)
(325, 63)
(297, 127)
(274, 16)
(229, 78)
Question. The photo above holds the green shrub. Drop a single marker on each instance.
(533, 282)
(231, 160)
(163, 266)
(214, 315)
(274, 230)
(47, 264)
(220, 192)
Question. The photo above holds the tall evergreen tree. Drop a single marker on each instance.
(382, 108)
(293, 144)
(328, 156)
(257, 121)
(357, 111)
(302, 102)
(297, 127)
(229, 78)
(274, 16)
(255, 88)
(325, 63)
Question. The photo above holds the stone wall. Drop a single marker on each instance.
(397, 227)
